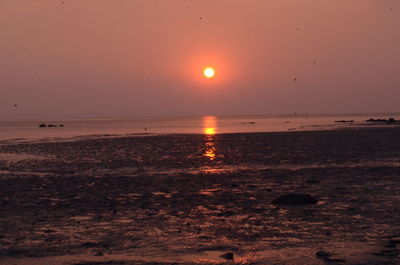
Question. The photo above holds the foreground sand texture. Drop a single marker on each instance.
(188, 199)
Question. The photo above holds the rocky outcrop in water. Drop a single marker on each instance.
(387, 121)
(43, 125)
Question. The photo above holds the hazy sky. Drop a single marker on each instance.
(94, 58)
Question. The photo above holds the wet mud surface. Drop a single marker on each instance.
(189, 199)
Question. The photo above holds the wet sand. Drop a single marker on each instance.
(188, 199)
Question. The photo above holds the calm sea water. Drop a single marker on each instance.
(27, 130)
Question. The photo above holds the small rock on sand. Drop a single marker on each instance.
(326, 257)
(295, 199)
(228, 256)
(322, 254)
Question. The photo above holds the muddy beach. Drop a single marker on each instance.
(202, 199)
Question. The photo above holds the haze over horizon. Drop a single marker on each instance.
(72, 58)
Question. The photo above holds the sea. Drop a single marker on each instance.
(26, 130)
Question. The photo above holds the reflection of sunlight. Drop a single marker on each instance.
(210, 148)
(210, 129)
(210, 125)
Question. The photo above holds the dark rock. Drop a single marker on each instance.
(51, 125)
(322, 254)
(326, 257)
(42, 125)
(387, 121)
(295, 199)
(345, 121)
(228, 256)
(61, 125)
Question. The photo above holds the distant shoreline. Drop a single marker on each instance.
(317, 128)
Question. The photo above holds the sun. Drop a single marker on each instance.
(209, 72)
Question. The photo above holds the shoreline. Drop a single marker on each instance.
(312, 128)
(29, 130)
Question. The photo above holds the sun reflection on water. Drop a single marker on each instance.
(209, 130)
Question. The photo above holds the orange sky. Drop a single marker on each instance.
(95, 58)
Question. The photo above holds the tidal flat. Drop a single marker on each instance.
(202, 199)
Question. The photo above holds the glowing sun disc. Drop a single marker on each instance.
(209, 72)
